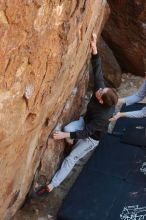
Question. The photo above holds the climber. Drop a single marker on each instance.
(88, 130)
(129, 100)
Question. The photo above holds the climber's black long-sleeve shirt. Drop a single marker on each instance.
(97, 115)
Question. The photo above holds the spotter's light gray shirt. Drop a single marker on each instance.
(137, 97)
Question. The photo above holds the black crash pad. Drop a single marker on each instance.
(130, 205)
(110, 182)
(89, 197)
(122, 123)
(117, 159)
(104, 198)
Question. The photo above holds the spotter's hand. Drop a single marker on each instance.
(115, 117)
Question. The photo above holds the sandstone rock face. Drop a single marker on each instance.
(111, 69)
(44, 46)
(125, 33)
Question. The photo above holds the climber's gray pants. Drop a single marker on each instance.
(80, 149)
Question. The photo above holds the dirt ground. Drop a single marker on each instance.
(47, 208)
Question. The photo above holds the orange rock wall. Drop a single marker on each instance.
(44, 46)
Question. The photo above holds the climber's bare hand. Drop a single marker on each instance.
(58, 135)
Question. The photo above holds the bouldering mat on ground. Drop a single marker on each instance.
(130, 205)
(110, 181)
(117, 159)
(122, 123)
(89, 196)
(106, 199)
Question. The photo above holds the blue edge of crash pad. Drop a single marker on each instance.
(112, 184)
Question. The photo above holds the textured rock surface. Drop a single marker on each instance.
(125, 33)
(44, 46)
(111, 68)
